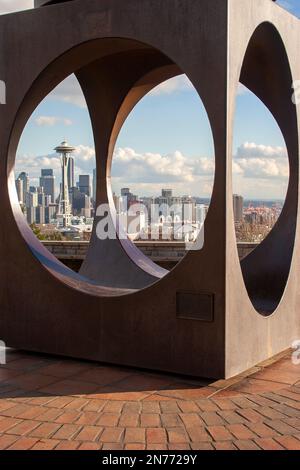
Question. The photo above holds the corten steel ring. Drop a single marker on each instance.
(210, 316)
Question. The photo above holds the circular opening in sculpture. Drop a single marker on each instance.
(260, 172)
(272, 164)
(162, 172)
(54, 170)
(112, 266)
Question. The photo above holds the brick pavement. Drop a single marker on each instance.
(55, 403)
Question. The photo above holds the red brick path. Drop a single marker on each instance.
(53, 403)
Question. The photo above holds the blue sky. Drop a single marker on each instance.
(166, 141)
(292, 5)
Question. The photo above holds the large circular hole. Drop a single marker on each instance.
(266, 170)
(163, 170)
(260, 171)
(54, 170)
(112, 266)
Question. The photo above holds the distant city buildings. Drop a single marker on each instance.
(164, 217)
(253, 222)
(72, 212)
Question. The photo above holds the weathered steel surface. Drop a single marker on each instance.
(122, 308)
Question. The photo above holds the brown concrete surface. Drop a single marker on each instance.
(54, 403)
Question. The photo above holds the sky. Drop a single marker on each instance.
(165, 142)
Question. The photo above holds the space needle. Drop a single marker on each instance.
(64, 209)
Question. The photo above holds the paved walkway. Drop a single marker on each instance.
(53, 403)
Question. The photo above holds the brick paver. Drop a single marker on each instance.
(62, 404)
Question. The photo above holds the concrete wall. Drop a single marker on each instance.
(166, 254)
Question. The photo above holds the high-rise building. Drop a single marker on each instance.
(125, 192)
(86, 210)
(31, 215)
(41, 197)
(238, 205)
(25, 178)
(50, 213)
(31, 199)
(127, 199)
(94, 184)
(40, 215)
(77, 200)
(167, 193)
(31, 203)
(19, 188)
(71, 172)
(85, 184)
(64, 211)
(47, 181)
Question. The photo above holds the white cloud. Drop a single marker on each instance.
(262, 168)
(253, 150)
(50, 121)
(259, 171)
(146, 173)
(69, 91)
(173, 85)
(261, 162)
(154, 166)
(8, 6)
(84, 164)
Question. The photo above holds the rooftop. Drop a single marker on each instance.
(49, 402)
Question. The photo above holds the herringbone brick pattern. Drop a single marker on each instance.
(53, 403)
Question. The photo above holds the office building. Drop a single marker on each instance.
(85, 184)
(167, 193)
(94, 184)
(71, 172)
(47, 181)
(238, 205)
(19, 188)
(25, 179)
(40, 215)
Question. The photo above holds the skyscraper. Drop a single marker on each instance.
(19, 188)
(71, 172)
(167, 193)
(94, 184)
(125, 192)
(86, 210)
(64, 211)
(238, 205)
(85, 185)
(77, 200)
(25, 178)
(127, 199)
(31, 203)
(47, 181)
